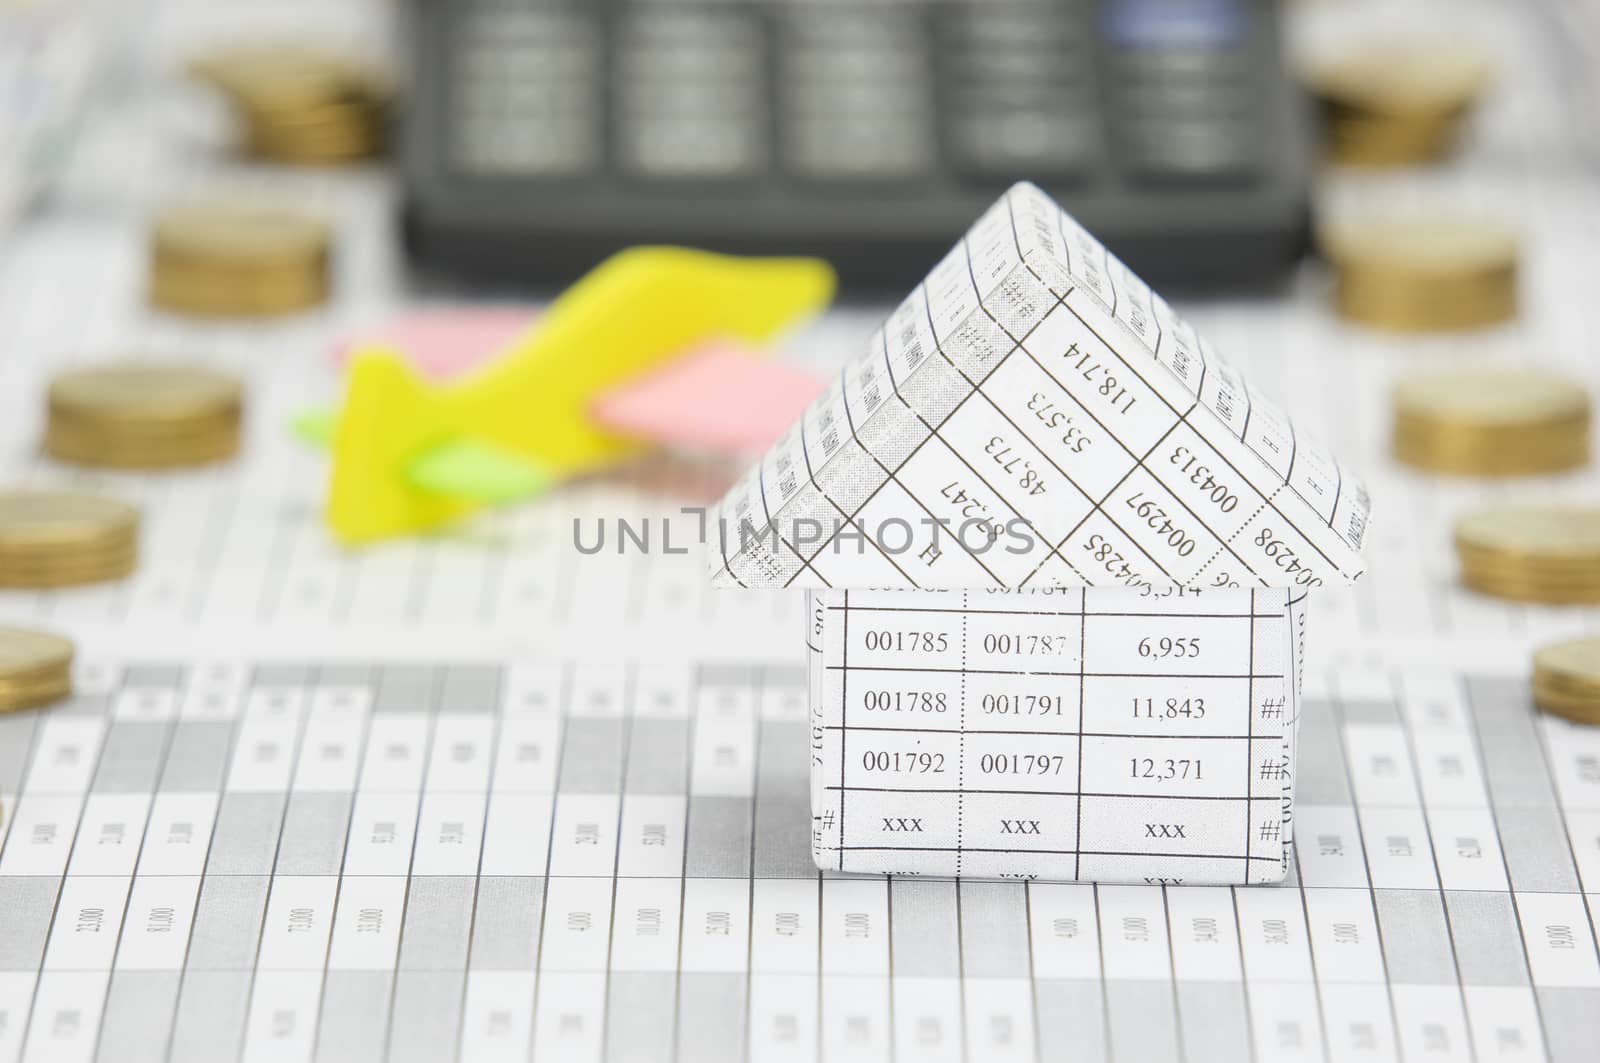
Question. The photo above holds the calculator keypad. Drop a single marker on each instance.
(689, 91)
(1020, 84)
(855, 96)
(864, 92)
(527, 92)
(544, 134)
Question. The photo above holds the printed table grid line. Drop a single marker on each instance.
(1055, 613)
(27, 1026)
(1230, 857)
(1045, 793)
(1426, 810)
(168, 736)
(1250, 722)
(430, 731)
(1069, 675)
(1366, 863)
(303, 725)
(961, 747)
(629, 692)
(1083, 637)
(1045, 734)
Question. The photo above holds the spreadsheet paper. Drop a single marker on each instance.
(1055, 734)
(344, 860)
(480, 795)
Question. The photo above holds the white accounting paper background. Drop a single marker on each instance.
(477, 795)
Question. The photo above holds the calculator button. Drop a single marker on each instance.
(1177, 103)
(690, 95)
(1017, 90)
(690, 147)
(1156, 25)
(856, 96)
(525, 99)
(1023, 142)
(858, 149)
(1184, 65)
(1189, 150)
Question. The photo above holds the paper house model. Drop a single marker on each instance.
(1058, 553)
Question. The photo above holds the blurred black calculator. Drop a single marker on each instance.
(540, 135)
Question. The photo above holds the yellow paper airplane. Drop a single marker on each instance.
(410, 454)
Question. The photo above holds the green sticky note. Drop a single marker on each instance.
(315, 427)
(470, 468)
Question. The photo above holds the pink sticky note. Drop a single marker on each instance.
(445, 341)
(718, 396)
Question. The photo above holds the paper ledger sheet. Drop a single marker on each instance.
(1055, 735)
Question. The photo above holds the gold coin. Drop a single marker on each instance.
(145, 394)
(302, 105)
(57, 519)
(1545, 533)
(35, 668)
(24, 653)
(101, 455)
(1579, 575)
(1412, 273)
(1417, 309)
(238, 234)
(177, 439)
(1532, 553)
(1420, 309)
(313, 145)
(290, 77)
(14, 697)
(1403, 78)
(229, 292)
(1504, 568)
(41, 579)
(1566, 679)
(143, 416)
(57, 539)
(1367, 142)
(91, 553)
(1485, 461)
(1407, 246)
(1491, 421)
(1555, 593)
(49, 575)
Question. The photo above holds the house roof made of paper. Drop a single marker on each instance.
(1033, 415)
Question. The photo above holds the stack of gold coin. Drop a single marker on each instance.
(1491, 422)
(237, 260)
(300, 105)
(144, 416)
(1397, 104)
(1414, 274)
(1545, 554)
(35, 668)
(1566, 679)
(61, 539)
